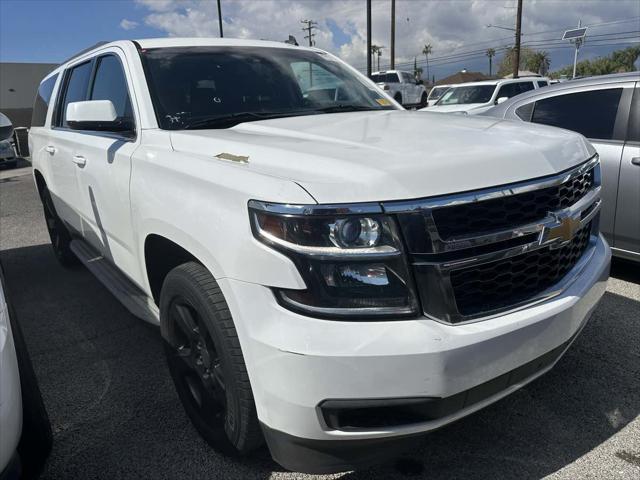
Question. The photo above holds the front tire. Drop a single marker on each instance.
(398, 98)
(58, 233)
(206, 362)
(424, 100)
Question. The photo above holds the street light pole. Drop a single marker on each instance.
(220, 19)
(516, 63)
(393, 34)
(369, 38)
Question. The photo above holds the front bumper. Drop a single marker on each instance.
(295, 363)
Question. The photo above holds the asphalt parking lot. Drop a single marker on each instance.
(115, 413)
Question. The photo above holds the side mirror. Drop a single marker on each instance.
(6, 127)
(501, 99)
(96, 115)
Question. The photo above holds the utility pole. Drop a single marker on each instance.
(393, 34)
(220, 19)
(369, 38)
(516, 63)
(578, 44)
(310, 25)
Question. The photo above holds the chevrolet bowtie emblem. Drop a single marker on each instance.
(561, 231)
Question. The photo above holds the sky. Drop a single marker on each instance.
(52, 30)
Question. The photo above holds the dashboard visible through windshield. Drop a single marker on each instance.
(217, 87)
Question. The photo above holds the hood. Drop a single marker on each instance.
(390, 155)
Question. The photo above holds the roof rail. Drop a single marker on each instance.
(82, 52)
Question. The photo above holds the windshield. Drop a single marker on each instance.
(217, 87)
(470, 94)
(436, 92)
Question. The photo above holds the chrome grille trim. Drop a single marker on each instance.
(558, 228)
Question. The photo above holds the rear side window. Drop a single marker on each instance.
(524, 112)
(110, 84)
(512, 89)
(542, 83)
(76, 89)
(41, 105)
(592, 113)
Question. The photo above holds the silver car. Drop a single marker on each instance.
(606, 110)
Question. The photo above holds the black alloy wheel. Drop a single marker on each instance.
(206, 362)
(58, 233)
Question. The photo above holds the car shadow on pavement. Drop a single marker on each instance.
(115, 413)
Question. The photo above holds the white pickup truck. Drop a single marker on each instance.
(330, 273)
(403, 87)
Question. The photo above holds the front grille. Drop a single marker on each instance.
(479, 253)
(500, 284)
(505, 212)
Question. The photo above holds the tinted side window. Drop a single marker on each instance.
(593, 113)
(76, 90)
(509, 90)
(543, 83)
(524, 87)
(110, 84)
(41, 105)
(633, 134)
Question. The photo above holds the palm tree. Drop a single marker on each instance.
(426, 51)
(490, 53)
(539, 62)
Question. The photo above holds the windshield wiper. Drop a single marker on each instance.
(217, 121)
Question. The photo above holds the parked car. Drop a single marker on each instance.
(319, 282)
(402, 86)
(25, 432)
(476, 97)
(606, 110)
(7, 154)
(435, 94)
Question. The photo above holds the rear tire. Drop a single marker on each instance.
(206, 362)
(58, 233)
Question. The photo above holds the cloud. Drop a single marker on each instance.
(452, 28)
(128, 24)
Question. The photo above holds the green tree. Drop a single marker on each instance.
(539, 62)
(506, 64)
(617, 62)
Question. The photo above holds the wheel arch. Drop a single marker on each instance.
(161, 255)
(41, 184)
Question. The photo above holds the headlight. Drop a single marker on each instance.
(351, 260)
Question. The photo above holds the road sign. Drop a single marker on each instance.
(574, 33)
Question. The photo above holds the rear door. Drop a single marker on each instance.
(104, 176)
(627, 227)
(594, 112)
(63, 181)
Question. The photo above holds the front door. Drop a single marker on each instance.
(103, 179)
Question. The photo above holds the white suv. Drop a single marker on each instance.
(477, 97)
(329, 272)
(402, 86)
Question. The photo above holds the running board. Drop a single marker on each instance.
(134, 299)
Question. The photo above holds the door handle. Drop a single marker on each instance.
(635, 161)
(50, 149)
(79, 160)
